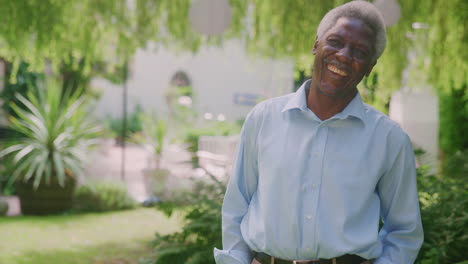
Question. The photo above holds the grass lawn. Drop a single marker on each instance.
(105, 238)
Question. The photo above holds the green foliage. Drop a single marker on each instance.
(6, 187)
(102, 197)
(25, 81)
(3, 207)
(105, 32)
(36, 31)
(153, 136)
(73, 75)
(181, 115)
(54, 32)
(55, 135)
(201, 231)
(456, 165)
(444, 203)
(133, 124)
(447, 43)
(155, 131)
(62, 30)
(453, 120)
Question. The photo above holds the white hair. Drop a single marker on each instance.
(364, 11)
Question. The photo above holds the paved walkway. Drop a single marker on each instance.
(106, 164)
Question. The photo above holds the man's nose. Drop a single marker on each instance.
(344, 54)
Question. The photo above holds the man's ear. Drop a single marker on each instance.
(370, 69)
(314, 49)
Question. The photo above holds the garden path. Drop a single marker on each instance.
(106, 164)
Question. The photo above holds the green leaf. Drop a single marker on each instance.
(11, 149)
(29, 106)
(23, 152)
(59, 168)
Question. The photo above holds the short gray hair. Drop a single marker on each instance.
(364, 11)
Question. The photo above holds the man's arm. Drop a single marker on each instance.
(402, 233)
(242, 185)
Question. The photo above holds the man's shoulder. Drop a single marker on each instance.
(265, 111)
(271, 105)
(384, 125)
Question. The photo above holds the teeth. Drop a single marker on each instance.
(334, 69)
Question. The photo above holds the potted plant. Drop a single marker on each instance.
(153, 138)
(55, 133)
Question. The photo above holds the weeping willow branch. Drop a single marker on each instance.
(54, 32)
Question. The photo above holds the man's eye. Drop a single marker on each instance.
(359, 53)
(334, 43)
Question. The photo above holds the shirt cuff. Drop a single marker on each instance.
(231, 257)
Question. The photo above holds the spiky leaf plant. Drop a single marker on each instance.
(55, 134)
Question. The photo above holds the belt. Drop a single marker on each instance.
(345, 259)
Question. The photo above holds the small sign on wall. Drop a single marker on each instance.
(248, 99)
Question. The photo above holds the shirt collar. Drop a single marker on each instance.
(298, 100)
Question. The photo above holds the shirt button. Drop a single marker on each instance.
(314, 186)
(308, 249)
(309, 217)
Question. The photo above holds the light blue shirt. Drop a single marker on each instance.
(303, 188)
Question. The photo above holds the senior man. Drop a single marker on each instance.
(317, 169)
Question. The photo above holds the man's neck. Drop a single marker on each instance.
(325, 106)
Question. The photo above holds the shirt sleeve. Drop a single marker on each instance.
(242, 185)
(402, 233)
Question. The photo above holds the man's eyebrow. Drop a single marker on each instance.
(363, 45)
(334, 35)
(358, 43)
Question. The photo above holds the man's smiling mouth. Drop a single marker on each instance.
(334, 69)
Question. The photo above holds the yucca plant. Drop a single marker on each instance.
(55, 133)
(154, 136)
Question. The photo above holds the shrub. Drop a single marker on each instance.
(7, 186)
(202, 229)
(102, 197)
(444, 204)
(24, 81)
(453, 122)
(133, 124)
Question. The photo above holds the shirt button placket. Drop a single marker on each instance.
(322, 134)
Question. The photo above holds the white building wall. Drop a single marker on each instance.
(417, 112)
(216, 74)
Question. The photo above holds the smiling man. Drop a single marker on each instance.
(318, 169)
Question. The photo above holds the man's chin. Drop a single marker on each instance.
(329, 91)
(334, 91)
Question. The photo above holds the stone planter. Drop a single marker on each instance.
(47, 198)
(156, 182)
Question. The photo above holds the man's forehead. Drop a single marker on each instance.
(352, 22)
(352, 25)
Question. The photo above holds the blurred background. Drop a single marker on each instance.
(119, 119)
